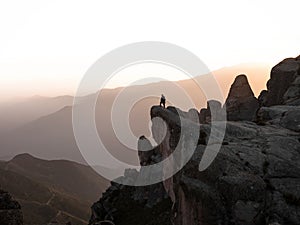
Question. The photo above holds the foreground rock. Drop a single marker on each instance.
(133, 205)
(121, 204)
(254, 179)
(10, 210)
(285, 116)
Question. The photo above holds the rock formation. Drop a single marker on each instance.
(283, 86)
(241, 103)
(255, 178)
(10, 210)
(147, 155)
(123, 204)
(214, 110)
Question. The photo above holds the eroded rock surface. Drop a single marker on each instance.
(145, 205)
(254, 179)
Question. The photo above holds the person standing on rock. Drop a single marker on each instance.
(163, 101)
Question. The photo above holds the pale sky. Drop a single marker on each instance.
(47, 46)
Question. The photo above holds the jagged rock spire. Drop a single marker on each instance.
(241, 103)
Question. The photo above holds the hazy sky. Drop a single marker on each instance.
(47, 46)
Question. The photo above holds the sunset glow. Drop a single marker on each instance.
(46, 47)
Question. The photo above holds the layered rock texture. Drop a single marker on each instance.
(10, 210)
(254, 179)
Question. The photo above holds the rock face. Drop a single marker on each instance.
(128, 205)
(147, 155)
(241, 103)
(121, 204)
(285, 116)
(283, 86)
(292, 95)
(248, 183)
(254, 179)
(10, 210)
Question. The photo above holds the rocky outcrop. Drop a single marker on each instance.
(147, 155)
(282, 115)
(254, 179)
(241, 103)
(283, 86)
(121, 204)
(248, 183)
(10, 210)
(129, 205)
(213, 111)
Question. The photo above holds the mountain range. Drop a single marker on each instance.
(43, 126)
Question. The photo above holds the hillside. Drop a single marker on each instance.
(58, 190)
(31, 108)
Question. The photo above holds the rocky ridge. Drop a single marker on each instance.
(255, 178)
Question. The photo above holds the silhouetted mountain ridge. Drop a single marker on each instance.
(51, 136)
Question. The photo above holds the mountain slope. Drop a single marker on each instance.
(59, 191)
(31, 108)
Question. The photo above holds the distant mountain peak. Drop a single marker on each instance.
(24, 156)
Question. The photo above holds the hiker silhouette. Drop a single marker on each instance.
(163, 101)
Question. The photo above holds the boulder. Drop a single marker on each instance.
(282, 87)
